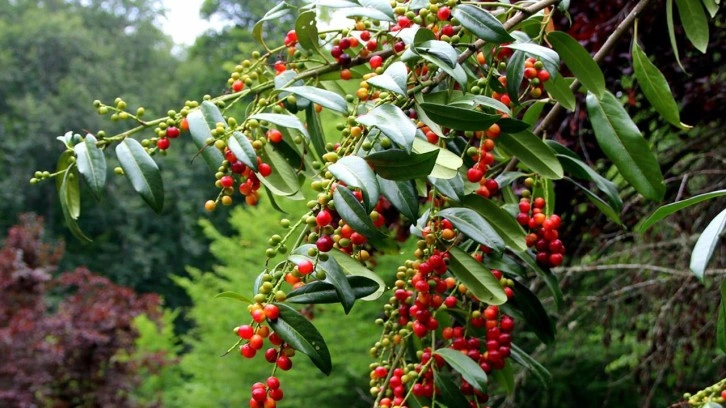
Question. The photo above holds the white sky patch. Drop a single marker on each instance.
(183, 22)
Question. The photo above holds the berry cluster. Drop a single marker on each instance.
(543, 236)
(483, 160)
(266, 395)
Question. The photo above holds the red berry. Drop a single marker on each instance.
(259, 394)
(556, 260)
(365, 35)
(271, 355)
(444, 13)
(284, 363)
(506, 325)
(247, 351)
(163, 143)
(523, 219)
(323, 218)
(346, 74)
(509, 292)
(543, 75)
(273, 383)
(447, 30)
(530, 73)
(451, 301)
(226, 181)
(357, 239)
(305, 267)
(272, 312)
(376, 61)
(381, 372)
(399, 46)
(524, 206)
(324, 243)
(274, 135)
(264, 169)
(258, 315)
(404, 22)
(344, 44)
(238, 85)
(256, 342)
(336, 51)
(372, 45)
(491, 312)
(723, 395)
(474, 174)
(276, 394)
(246, 331)
(172, 132)
(539, 202)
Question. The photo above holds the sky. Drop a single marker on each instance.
(183, 22)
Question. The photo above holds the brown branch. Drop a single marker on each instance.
(642, 267)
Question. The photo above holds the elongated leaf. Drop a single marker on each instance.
(243, 150)
(320, 292)
(201, 122)
(69, 193)
(458, 118)
(448, 391)
(721, 323)
(234, 295)
(352, 212)
(452, 188)
(384, 6)
(603, 206)
(655, 87)
(504, 224)
(508, 177)
(526, 361)
(395, 124)
(491, 103)
(283, 180)
(478, 279)
(91, 164)
(534, 313)
(143, 173)
(706, 244)
(559, 90)
(353, 268)
(274, 13)
(306, 30)
(481, 23)
(672, 32)
(315, 128)
(440, 49)
(297, 331)
(355, 172)
(579, 61)
(402, 194)
(334, 275)
(464, 365)
(532, 152)
(505, 378)
(474, 226)
(393, 79)
(712, 7)
(621, 140)
(515, 74)
(286, 121)
(532, 114)
(322, 97)
(395, 164)
(549, 58)
(365, 12)
(545, 273)
(447, 163)
(695, 22)
(669, 209)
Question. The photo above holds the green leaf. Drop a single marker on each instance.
(672, 32)
(532, 152)
(334, 276)
(559, 90)
(474, 226)
(579, 61)
(622, 142)
(274, 13)
(352, 212)
(201, 122)
(365, 12)
(515, 74)
(307, 31)
(464, 365)
(143, 173)
(532, 114)
(283, 180)
(447, 163)
(505, 378)
(491, 103)
(509, 125)
(534, 313)
(432, 56)
(545, 273)
(504, 224)
(286, 121)
(320, 292)
(395, 164)
(70, 199)
(706, 244)
(549, 58)
(393, 79)
(458, 118)
(695, 22)
(402, 194)
(91, 164)
(712, 7)
(353, 268)
(384, 6)
(439, 49)
(448, 391)
(655, 87)
(233, 295)
(315, 128)
(298, 332)
(478, 279)
(243, 150)
(603, 206)
(355, 172)
(452, 188)
(508, 177)
(526, 361)
(391, 120)
(481, 23)
(721, 322)
(322, 97)
(669, 209)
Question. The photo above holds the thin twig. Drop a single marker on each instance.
(642, 267)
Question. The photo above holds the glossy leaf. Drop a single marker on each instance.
(545, 274)
(655, 87)
(505, 377)
(286, 121)
(439, 49)
(549, 58)
(458, 118)
(70, 199)
(622, 142)
(508, 177)
(447, 163)
(474, 226)
(448, 391)
(201, 122)
(402, 195)
(91, 164)
(481, 23)
(491, 103)
(504, 224)
(669, 209)
(533, 312)
(706, 244)
(353, 268)
(464, 365)
(579, 61)
(601, 205)
(559, 90)
(452, 188)
(478, 279)
(274, 13)
(384, 6)
(234, 295)
(306, 30)
(515, 74)
(393, 79)
(392, 122)
(298, 332)
(322, 97)
(242, 148)
(143, 173)
(509, 125)
(321, 292)
(352, 212)
(721, 322)
(532, 152)
(456, 72)
(315, 128)
(526, 361)
(395, 164)
(283, 180)
(695, 23)
(531, 116)
(365, 12)
(355, 172)
(672, 32)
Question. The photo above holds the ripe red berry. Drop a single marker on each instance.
(556, 260)
(163, 143)
(305, 267)
(256, 342)
(399, 46)
(346, 74)
(273, 382)
(543, 75)
(372, 45)
(172, 132)
(357, 239)
(238, 85)
(271, 355)
(246, 331)
(324, 243)
(274, 135)
(474, 174)
(259, 394)
(404, 22)
(323, 218)
(539, 202)
(376, 61)
(226, 181)
(444, 13)
(247, 351)
(365, 35)
(276, 394)
(381, 372)
(264, 169)
(447, 30)
(272, 312)
(284, 363)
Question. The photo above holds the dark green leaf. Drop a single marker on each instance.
(201, 122)
(545, 273)
(353, 268)
(621, 140)
(579, 61)
(706, 244)
(448, 391)
(243, 150)
(452, 188)
(233, 295)
(549, 57)
(393, 79)
(447, 163)
(509, 125)
(655, 87)
(391, 120)
(603, 206)
(532, 152)
(515, 74)
(352, 212)
(307, 31)
(395, 164)
(402, 195)
(298, 332)
(672, 32)
(534, 313)
(478, 279)
(508, 177)
(458, 118)
(505, 264)
(143, 173)
(669, 209)
(91, 164)
(456, 72)
(504, 224)
(491, 103)
(464, 365)
(286, 121)
(283, 180)
(532, 365)
(315, 128)
(721, 323)
(481, 23)
(474, 226)
(695, 22)
(320, 292)
(70, 199)
(505, 378)
(322, 97)
(532, 114)
(559, 90)
(355, 172)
